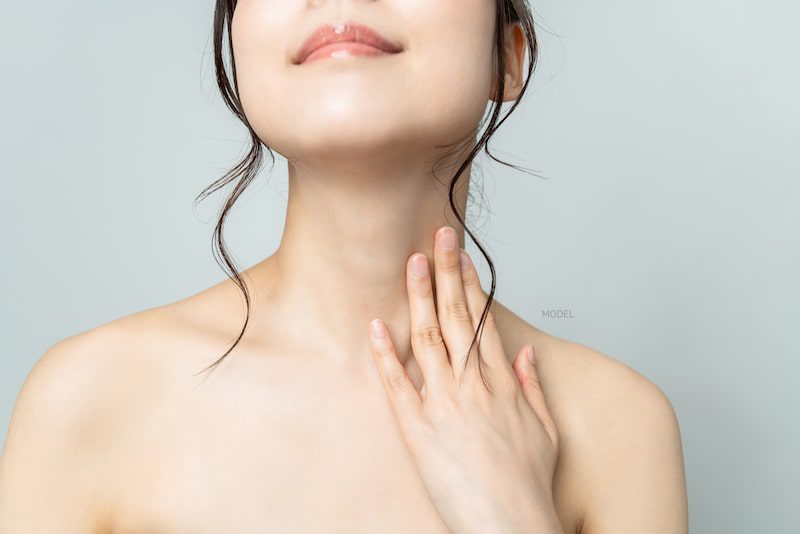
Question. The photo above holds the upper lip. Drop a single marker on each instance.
(344, 31)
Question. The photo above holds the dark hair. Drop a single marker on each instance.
(508, 12)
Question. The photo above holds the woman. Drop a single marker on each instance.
(308, 422)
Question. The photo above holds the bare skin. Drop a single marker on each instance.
(276, 441)
(293, 432)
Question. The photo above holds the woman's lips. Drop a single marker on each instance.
(343, 49)
(344, 39)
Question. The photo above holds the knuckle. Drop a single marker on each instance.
(449, 262)
(430, 335)
(470, 279)
(533, 383)
(441, 408)
(490, 322)
(396, 380)
(457, 310)
(503, 385)
(507, 385)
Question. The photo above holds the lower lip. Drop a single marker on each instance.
(345, 49)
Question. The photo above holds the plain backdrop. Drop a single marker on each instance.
(668, 226)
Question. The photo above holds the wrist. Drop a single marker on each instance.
(537, 515)
(520, 515)
(535, 521)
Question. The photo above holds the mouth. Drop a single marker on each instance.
(344, 39)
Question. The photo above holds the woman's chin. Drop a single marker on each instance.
(349, 137)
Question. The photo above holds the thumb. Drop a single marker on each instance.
(528, 374)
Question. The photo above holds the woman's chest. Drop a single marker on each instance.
(300, 459)
(294, 464)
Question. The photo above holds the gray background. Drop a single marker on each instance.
(669, 225)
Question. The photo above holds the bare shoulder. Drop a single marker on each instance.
(75, 408)
(621, 442)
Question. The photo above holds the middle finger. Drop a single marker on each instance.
(451, 302)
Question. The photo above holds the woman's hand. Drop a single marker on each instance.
(486, 459)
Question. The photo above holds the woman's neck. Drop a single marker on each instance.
(342, 257)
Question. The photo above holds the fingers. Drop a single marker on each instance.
(403, 396)
(491, 346)
(525, 367)
(426, 334)
(451, 301)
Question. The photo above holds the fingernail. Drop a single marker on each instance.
(531, 357)
(377, 329)
(466, 263)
